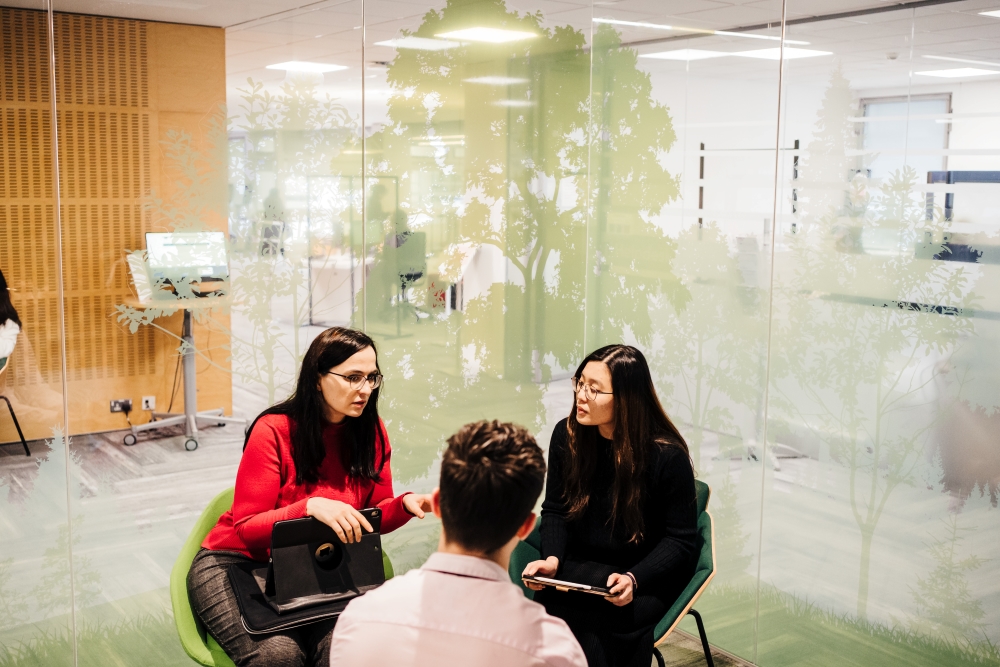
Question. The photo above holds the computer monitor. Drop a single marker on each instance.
(192, 255)
(187, 257)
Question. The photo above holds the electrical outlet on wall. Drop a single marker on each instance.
(121, 405)
(149, 402)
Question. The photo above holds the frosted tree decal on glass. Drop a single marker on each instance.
(491, 148)
(864, 319)
(278, 142)
(945, 603)
(711, 347)
(631, 260)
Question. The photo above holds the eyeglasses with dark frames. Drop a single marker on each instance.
(589, 391)
(357, 381)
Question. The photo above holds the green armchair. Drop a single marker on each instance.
(530, 549)
(197, 643)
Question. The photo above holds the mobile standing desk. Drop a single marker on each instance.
(191, 416)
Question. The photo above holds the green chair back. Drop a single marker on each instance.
(530, 549)
(527, 550)
(704, 570)
(197, 643)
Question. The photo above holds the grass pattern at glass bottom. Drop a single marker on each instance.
(149, 640)
(794, 631)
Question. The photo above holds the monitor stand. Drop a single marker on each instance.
(191, 416)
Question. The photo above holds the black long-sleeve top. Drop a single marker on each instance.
(669, 512)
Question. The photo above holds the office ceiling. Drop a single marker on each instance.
(881, 49)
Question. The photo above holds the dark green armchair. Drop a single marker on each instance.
(530, 549)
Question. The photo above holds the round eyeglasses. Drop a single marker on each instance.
(357, 381)
(589, 391)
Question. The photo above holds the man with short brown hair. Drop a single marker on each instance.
(461, 608)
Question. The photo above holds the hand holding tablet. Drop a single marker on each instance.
(564, 586)
(541, 573)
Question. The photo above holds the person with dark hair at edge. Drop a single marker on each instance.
(620, 510)
(10, 323)
(461, 608)
(323, 453)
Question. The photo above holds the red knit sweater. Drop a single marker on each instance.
(266, 490)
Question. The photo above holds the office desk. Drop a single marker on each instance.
(191, 416)
(334, 283)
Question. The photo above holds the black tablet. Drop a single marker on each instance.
(311, 577)
(310, 565)
(564, 586)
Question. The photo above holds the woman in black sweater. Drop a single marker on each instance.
(619, 510)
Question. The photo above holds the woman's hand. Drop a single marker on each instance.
(621, 589)
(346, 521)
(543, 568)
(418, 504)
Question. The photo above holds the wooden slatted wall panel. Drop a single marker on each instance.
(115, 81)
(102, 103)
(27, 195)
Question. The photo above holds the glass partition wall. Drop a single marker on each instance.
(36, 529)
(793, 211)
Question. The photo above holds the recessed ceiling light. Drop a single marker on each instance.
(514, 103)
(305, 66)
(684, 54)
(496, 80)
(964, 60)
(644, 24)
(750, 35)
(419, 43)
(490, 35)
(776, 53)
(995, 13)
(958, 71)
(703, 31)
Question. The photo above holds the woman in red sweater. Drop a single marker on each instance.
(322, 453)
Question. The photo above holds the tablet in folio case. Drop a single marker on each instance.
(311, 577)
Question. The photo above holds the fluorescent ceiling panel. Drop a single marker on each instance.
(964, 60)
(750, 35)
(703, 31)
(514, 103)
(994, 13)
(644, 24)
(489, 35)
(305, 66)
(776, 53)
(957, 72)
(419, 43)
(684, 54)
(496, 80)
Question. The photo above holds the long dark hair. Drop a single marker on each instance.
(640, 424)
(364, 453)
(7, 310)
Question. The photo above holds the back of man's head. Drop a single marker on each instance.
(491, 475)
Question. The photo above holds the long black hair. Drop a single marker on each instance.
(7, 310)
(364, 452)
(640, 424)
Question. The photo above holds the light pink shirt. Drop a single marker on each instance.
(455, 610)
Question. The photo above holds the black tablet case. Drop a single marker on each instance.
(311, 577)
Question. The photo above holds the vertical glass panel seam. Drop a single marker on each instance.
(61, 310)
(770, 321)
(364, 179)
(590, 167)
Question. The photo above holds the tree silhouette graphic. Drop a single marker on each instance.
(863, 318)
(493, 151)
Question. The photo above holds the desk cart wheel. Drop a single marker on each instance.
(130, 439)
(190, 444)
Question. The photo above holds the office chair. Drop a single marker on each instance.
(200, 646)
(530, 550)
(4, 364)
